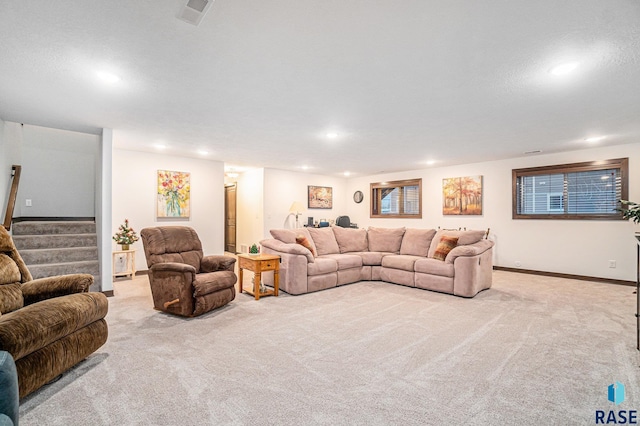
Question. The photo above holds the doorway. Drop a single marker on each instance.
(230, 218)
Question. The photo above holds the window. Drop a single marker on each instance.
(401, 198)
(571, 191)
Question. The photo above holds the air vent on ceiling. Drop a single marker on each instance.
(194, 11)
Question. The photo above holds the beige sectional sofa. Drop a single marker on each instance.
(396, 255)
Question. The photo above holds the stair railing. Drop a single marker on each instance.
(13, 195)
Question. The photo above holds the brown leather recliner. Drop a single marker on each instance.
(183, 281)
(48, 324)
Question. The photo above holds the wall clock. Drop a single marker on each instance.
(358, 196)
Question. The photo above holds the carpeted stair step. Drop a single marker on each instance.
(52, 269)
(28, 242)
(58, 255)
(53, 227)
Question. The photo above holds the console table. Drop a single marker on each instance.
(259, 264)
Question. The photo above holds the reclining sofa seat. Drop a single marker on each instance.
(396, 255)
(183, 280)
(48, 325)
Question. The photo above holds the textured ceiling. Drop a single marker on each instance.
(260, 83)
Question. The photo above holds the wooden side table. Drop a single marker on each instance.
(259, 264)
(130, 259)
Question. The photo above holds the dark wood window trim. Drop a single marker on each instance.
(376, 198)
(621, 164)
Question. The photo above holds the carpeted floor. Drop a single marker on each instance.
(530, 351)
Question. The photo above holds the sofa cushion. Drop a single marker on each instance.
(322, 265)
(400, 261)
(9, 271)
(464, 238)
(416, 242)
(385, 239)
(285, 235)
(433, 267)
(346, 261)
(288, 236)
(372, 258)
(324, 240)
(445, 245)
(350, 239)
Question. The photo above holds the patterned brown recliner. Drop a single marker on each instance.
(49, 324)
(183, 281)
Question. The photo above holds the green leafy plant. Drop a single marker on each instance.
(631, 212)
(125, 235)
(254, 249)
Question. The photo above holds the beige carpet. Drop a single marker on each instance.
(530, 351)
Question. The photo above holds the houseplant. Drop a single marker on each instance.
(254, 250)
(125, 235)
(632, 212)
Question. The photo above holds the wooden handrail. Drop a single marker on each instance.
(13, 195)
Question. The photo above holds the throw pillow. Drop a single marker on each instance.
(445, 245)
(302, 240)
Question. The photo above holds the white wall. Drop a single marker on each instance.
(58, 172)
(249, 208)
(5, 173)
(282, 188)
(563, 246)
(134, 196)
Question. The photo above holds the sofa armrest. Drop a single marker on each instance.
(50, 287)
(178, 268)
(474, 249)
(288, 248)
(213, 263)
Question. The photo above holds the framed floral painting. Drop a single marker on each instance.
(462, 196)
(174, 194)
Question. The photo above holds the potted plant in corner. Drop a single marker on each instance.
(125, 235)
(631, 212)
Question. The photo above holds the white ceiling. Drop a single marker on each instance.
(260, 83)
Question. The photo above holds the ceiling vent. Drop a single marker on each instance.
(194, 11)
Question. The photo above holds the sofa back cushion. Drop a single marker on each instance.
(464, 238)
(385, 239)
(350, 239)
(178, 244)
(287, 236)
(416, 242)
(325, 240)
(10, 298)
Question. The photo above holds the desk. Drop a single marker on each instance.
(259, 264)
(130, 267)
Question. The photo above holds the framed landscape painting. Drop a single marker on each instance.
(462, 196)
(320, 197)
(174, 194)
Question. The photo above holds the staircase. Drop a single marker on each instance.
(52, 248)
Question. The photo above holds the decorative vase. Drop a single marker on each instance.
(125, 246)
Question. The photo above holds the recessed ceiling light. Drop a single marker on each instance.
(203, 152)
(232, 175)
(160, 146)
(347, 174)
(108, 77)
(305, 167)
(332, 135)
(563, 69)
(595, 139)
(431, 162)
